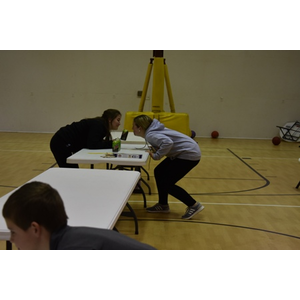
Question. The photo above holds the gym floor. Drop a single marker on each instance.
(248, 188)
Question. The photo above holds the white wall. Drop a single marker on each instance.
(239, 93)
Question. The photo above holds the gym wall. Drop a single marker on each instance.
(242, 94)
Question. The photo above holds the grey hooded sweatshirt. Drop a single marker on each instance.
(171, 143)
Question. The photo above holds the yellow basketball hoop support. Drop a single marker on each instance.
(176, 121)
(160, 77)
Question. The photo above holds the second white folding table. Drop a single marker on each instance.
(131, 155)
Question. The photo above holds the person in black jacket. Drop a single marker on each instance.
(93, 133)
(36, 217)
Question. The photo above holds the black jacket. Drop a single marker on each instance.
(87, 133)
(87, 238)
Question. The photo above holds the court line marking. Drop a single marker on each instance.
(251, 204)
(229, 204)
(34, 151)
(267, 182)
(251, 158)
(8, 186)
(217, 224)
(243, 195)
(188, 177)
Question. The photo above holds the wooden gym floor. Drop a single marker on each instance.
(248, 188)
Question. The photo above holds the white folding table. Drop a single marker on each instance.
(88, 156)
(131, 138)
(92, 198)
(98, 156)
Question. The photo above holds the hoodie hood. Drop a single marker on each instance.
(171, 143)
(155, 126)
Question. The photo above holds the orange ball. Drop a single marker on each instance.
(276, 140)
(215, 134)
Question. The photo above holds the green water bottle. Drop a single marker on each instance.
(116, 145)
(124, 135)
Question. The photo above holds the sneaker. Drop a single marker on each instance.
(159, 208)
(192, 211)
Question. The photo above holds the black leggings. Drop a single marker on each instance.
(61, 151)
(167, 173)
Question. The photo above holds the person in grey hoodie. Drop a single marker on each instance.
(182, 155)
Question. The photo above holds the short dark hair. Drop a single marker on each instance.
(36, 202)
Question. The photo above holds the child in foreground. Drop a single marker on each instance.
(36, 217)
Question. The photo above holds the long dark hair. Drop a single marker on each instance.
(109, 115)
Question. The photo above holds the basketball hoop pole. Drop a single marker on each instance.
(146, 84)
(160, 75)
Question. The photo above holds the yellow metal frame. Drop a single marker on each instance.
(176, 121)
(160, 76)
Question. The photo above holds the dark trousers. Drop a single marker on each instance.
(61, 151)
(167, 173)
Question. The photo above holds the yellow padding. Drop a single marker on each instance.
(175, 121)
(130, 115)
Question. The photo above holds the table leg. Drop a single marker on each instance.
(149, 189)
(138, 169)
(148, 177)
(139, 190)
(131, 213)
(8, 245)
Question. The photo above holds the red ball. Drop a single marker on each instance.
(215, 134)
(276, 140)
